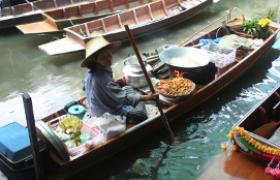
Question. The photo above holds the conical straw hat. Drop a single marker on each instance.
(92, 46)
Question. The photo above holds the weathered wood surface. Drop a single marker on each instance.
(141, 20)
(57, 19)
(32, 11)
(235, 166)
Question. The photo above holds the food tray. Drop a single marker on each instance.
(93, 132)
(177, 96)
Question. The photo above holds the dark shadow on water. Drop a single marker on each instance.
(9, 31)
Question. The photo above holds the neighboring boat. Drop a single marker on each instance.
(144, 19)
(67, 166)
(253, 132)
(32, 11)
(57, 19)
(251, 135)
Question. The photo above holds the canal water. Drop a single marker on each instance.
(52, 81)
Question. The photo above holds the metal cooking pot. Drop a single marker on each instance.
(194, 62)
(185, 57)
(133, 73)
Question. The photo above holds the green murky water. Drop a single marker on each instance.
(54, 81)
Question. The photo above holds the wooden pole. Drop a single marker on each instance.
(163, 116)
(32, 133)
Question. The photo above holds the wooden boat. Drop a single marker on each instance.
(235, 165)
(258, 125)
(67, 166)
(56, 20)
(144, 19)
(32, 11)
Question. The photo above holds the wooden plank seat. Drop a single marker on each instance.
(143, 14)
(96, 28)
(22, 8)
(56, 14)
(112, 23)
(128, 18)
(169, 4)
(45, 4)
(61, 3)
(101, 6)
(88, 8)
(125, 4)
(116, 3)
(120, 5)
(158, 10)
(70, 12)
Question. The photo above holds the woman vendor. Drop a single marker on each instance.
(103, 94)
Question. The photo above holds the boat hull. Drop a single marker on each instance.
(31, 11)
(56, 20)
(175, 111)
(149, 28)
(120, 34)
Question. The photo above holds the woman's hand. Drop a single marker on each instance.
(150, 97)
(121, 82)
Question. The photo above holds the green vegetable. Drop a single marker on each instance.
(72, 125)
(256, 28)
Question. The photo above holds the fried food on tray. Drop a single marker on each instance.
(178, 86)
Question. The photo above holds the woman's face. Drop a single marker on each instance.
(104, 57)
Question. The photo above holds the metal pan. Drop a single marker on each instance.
(185, 57)
(194, 62)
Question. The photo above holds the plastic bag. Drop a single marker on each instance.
(234, 41)
(220, 56)
(110, 125)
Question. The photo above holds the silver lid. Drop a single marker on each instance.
(133, 68)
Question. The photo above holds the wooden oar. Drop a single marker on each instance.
(163, 116)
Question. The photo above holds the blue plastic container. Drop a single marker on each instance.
(77, 110)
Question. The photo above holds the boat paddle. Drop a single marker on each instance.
(163, 116)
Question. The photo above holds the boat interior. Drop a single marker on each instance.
(34, 6)
(265, 119)
(134, 17)
(97, 8)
